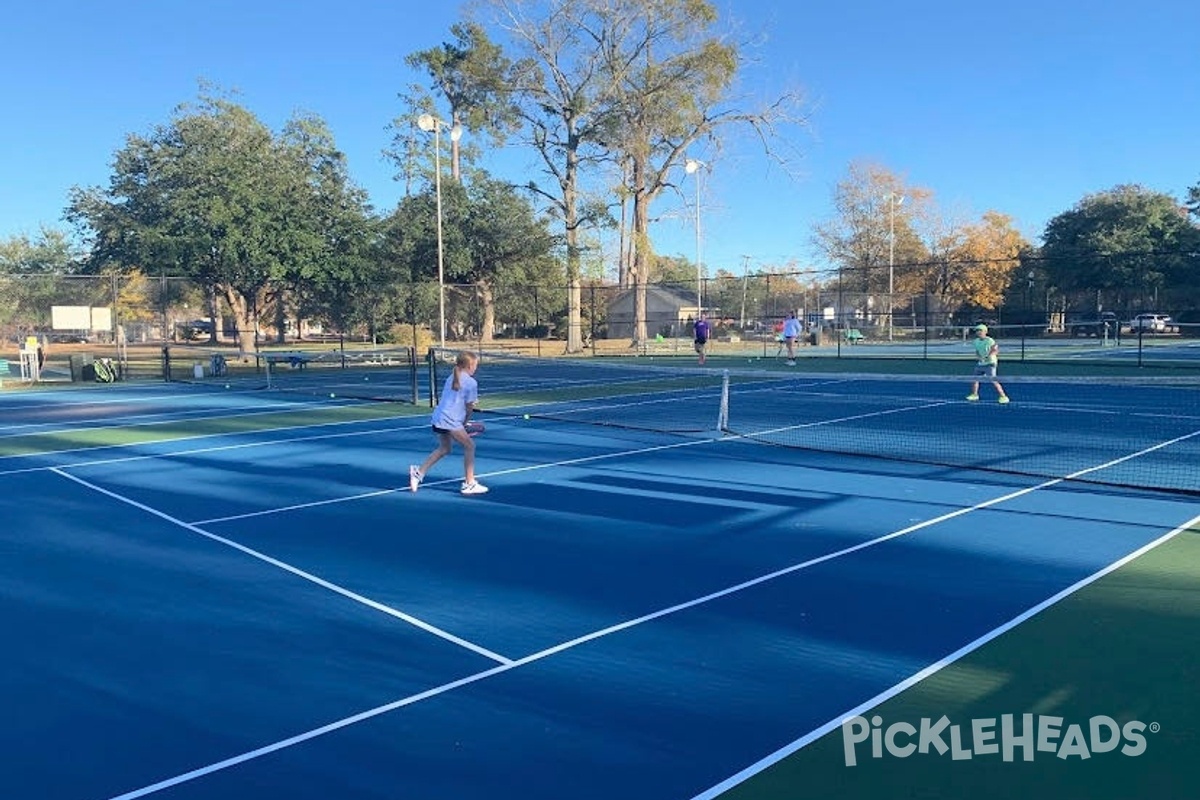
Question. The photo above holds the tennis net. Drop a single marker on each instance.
(380, 374)
(1121, 432)
(1116, 432)
(634, 393)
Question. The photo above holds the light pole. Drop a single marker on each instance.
(427, 123)
(893, 201)
(693, 166)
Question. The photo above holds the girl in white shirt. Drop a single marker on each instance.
(449, 418)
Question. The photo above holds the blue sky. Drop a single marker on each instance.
(1022, 107)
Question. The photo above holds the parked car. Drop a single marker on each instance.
(193, 330)
(1104, 325)
(1150, 323)
(69, 338)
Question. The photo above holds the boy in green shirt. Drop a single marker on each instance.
(987, 354)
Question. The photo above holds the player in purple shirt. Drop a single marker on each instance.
(702, 330)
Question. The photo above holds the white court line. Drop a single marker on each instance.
(67, 431)
(424, 424)
(932, 669)
(559, 648)
(333, 587)
(21, 404)
(145, 420)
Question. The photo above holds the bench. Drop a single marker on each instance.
(854, 335)
(293, 360)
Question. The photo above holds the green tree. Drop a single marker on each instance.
(31, 279)
(1193, 201)
(410, 243)
(469, 75)
(357, 287)
(1124, 245)
(678, 271)
(332, 230)
(506, 241)
(50, 252)
(491, 237)
(214, 196)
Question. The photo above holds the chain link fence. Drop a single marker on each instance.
(129, 319)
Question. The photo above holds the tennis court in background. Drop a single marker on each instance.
(680, 584)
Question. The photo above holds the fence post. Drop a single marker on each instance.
(840, 317)
(592, 318)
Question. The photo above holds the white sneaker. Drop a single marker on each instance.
(414, 478)
(791, 363)
(474, 487)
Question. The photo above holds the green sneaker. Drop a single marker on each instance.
(972, 397)
(1003, 398)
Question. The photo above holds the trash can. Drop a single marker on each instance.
(78, 361)
(198, 370)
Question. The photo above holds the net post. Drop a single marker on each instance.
(431, 359)
(723, 411)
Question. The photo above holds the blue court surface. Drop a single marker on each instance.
(203, 600)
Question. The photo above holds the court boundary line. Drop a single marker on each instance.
(567, 645)
(147, 420)
(932, 669)
(286, 567)
(214, 448)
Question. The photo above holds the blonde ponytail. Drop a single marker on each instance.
(464, 361)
